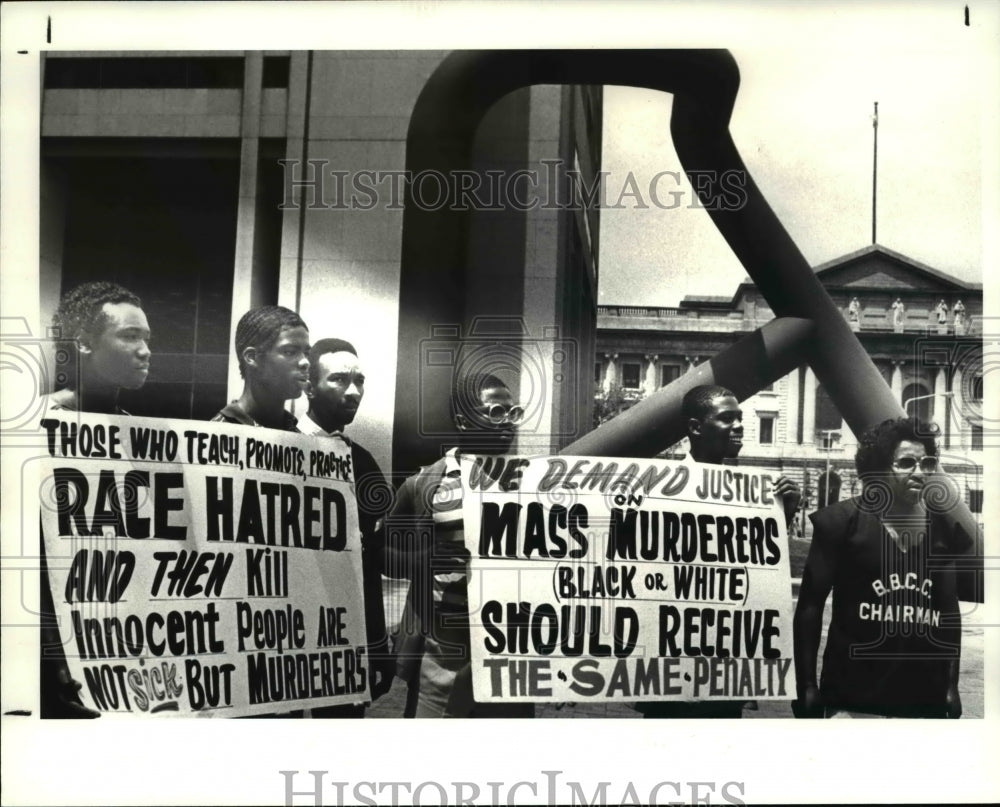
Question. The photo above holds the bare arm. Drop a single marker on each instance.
(817, 580)
(788, 490)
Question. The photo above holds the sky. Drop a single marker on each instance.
(803, 125)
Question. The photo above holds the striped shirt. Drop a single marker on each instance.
(446, 650)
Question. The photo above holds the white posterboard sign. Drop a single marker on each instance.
(203, 567)
(610, 579)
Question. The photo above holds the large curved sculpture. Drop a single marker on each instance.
(704, 84)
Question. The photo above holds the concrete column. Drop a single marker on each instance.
(940, 401)
(960, 435)
(610, 372)
(650, 383)
(791, 407)
(897, 380)
(245, 283)
(545, 274)
(809, 408)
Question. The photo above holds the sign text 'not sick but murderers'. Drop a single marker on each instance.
(203, 567)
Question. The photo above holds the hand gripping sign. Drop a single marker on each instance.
(597, 579)
(203, 567)
(704, 84)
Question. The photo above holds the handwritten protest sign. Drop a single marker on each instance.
(203, 567)
(599, 579)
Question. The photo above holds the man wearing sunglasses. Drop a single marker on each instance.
(425, 536)
(888, 556)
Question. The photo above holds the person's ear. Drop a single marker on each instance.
(83, 344)
(249, 356)
(694, 426)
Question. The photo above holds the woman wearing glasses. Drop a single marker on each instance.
(895, 632)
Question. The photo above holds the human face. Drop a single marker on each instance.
(909, 484)
(483, 433)
(719, 434)
(119, 356)
(284, 369)
(337, 394)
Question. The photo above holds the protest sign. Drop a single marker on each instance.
(203, 567)
(601, 579)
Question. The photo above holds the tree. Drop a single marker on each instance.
(610, 403)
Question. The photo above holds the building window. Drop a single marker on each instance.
(630, 375)
(976, 389)
(828, 439)
(669, 373)
(146, 72)
(975, 500)
(827, 415)
(156, 216)
(977, 436)
(597, 372)
(276, 69)
(766, 430)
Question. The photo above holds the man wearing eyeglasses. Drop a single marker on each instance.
(888, 556)
(426, 534)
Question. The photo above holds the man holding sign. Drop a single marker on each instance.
(429, 507)
(336, 387)
(272, 346)
(715, 431)
(620, 579)
(108, 349)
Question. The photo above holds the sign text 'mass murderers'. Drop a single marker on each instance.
(634, 581)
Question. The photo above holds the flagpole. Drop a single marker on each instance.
(874, 169)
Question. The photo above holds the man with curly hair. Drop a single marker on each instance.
(272, 347)
(888, 555)
(106, 344)
(104, 340)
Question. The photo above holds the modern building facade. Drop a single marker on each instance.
(921, 327)
(213, 182)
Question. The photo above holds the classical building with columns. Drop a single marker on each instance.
(921, 327)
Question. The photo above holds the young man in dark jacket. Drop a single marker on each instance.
(336, 387)
(106, 345)
(715, 430)
(272, 348)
